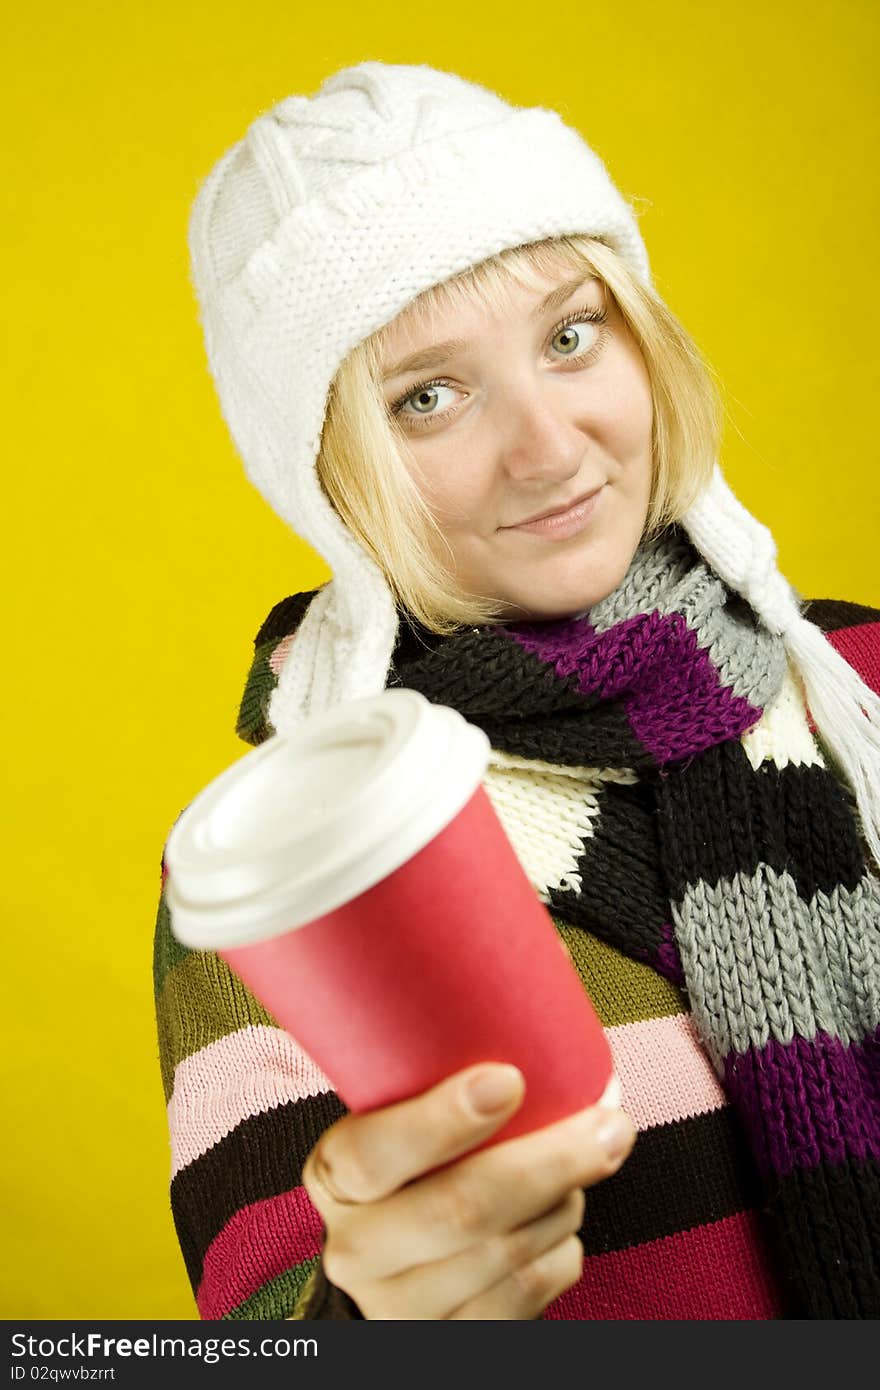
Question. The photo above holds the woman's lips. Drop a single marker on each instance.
(563, 524)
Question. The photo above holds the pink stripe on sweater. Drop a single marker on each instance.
(719, 1272)
(664, 1073)
(244, 1074)
(279, 653)
(257, 1244)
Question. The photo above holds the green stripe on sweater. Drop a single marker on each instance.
(622, 990)
(279, 1298)
(200, 1002)
(252, 725)
(167, 950)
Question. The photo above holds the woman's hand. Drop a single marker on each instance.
(492, 1235)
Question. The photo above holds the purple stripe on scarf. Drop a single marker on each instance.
(664, 956)
(667, 959)
(653, 663)
(808, 1101)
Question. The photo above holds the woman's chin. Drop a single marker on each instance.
(535, 611)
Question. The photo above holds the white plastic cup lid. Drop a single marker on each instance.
(310, 820)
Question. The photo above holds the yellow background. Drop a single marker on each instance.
(141, 561)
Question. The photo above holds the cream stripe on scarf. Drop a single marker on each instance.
(548, 811)
(783, 735)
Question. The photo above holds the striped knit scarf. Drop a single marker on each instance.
(744, 881)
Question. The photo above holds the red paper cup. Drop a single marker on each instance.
(356, 877)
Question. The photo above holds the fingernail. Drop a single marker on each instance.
(615, 1135)
(493, 1089)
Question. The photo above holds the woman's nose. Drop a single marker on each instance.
(540, 436)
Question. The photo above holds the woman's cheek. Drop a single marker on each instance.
(628, 426)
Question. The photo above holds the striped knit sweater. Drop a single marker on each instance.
(677, 1233)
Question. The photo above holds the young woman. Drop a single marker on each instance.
(431, 323)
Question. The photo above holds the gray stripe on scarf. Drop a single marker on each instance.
(761, 963)
(667, 575)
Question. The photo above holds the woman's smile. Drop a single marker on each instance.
(559, 526)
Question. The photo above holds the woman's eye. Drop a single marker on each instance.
(575, 337)
(425, 401)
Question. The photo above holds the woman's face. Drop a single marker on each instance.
(511, 415)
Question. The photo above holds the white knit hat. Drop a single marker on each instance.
(318, 227)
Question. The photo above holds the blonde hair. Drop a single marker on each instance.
(362, 460)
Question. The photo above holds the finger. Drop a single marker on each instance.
(526, 1292)
(363, 1158)
(435, 1290)
(485, 1194)
(318, 1182)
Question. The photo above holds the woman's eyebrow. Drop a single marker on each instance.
(436, 354)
